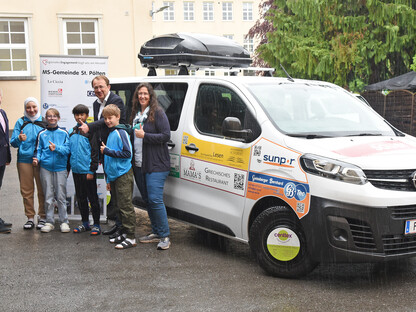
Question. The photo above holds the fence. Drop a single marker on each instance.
(397, 107)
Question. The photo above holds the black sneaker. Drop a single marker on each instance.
(6, 224)
(4, 229)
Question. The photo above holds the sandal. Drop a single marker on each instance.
(81, 228)
(118, 239)
(41, 224)
(126, 244)
(29, 225)
(95, 230)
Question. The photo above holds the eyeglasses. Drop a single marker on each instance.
(51, 116)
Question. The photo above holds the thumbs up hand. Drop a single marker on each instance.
(22, 136)
(102, 147)
(52, 146)
(139, 132)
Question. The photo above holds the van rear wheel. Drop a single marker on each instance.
(278, 241)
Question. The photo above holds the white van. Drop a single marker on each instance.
(301, 170)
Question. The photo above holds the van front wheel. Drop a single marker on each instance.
(278, 241)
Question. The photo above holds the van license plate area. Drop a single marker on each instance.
(410, 227)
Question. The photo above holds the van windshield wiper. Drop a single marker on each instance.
(364, 134)
(309, 136)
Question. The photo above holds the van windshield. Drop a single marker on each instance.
(314, 111)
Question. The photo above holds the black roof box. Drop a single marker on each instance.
(193, 50)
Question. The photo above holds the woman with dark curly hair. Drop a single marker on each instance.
(151, 163)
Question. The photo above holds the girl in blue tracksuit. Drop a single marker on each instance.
(23, 138)
(51, 153)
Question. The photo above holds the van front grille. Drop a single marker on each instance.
(403, 212)
(398, 244)
(362, 234)
(396, 180)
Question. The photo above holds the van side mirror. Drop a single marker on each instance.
(231, 127)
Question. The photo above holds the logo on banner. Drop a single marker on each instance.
(55, 92)
(90, 93)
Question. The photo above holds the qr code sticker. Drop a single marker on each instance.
(257, 151)
(300, 207)
(185, 139)
(238, 181)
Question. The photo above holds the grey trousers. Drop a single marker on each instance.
(54, 187)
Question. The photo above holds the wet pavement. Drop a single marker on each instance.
(200, 272)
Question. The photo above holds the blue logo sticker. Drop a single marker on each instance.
(290, 190)
(300, 192)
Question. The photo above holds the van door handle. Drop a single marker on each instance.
(171, 144)
(192, 147)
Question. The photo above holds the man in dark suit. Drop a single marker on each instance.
(101, 86)
(5, 157)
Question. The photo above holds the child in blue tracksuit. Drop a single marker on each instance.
(84, 162)
(119, 172)
(51, 153)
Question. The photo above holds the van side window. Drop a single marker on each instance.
(170, 97)
(214, 103)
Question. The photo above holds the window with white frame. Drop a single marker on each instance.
(249, 44)
(188, 11)
(14, 47)
(169, 13)
(229, 36)
(208, 11)
(209, 73)
(80, 37)
(247, 11)
(227, 11)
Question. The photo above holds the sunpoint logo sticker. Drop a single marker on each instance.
(280, 161)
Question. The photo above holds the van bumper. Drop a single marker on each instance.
(342, 232)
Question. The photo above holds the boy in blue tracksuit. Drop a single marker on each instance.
(84, 162)
(119, 172)
(51, 153)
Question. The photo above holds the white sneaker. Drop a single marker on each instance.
(65, 228)
(47, 228)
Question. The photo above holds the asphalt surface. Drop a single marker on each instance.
(67, 272)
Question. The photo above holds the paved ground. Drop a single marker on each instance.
(76, 272)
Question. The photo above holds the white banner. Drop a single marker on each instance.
(65, 81)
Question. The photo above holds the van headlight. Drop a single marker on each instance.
(332, 169)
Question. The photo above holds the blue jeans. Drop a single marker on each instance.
(140, 178)
(155, 181)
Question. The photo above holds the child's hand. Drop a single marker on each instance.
(52, 146)
(22, 136)
(84, 127)
(35, 162)
(139, 132)
(102, 147)
(90, 176)
(108, 187)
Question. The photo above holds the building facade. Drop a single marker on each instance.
(116, 29)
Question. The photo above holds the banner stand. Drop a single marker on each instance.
(65, 81)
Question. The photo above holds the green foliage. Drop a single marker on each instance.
(351, 42)
(413, 67)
